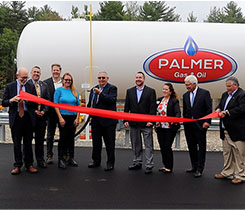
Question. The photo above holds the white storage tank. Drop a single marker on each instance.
(165, 51)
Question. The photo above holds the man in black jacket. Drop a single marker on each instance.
(103, 96)
(232, 131)
(40, 114)
(53, 83)
(21, 120)
(197, 103)
(141, 99)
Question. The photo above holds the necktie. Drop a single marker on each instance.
(21, 106)
(38, 95)
(192, 99)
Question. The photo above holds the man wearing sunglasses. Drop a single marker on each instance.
(103, 96)
(21, 120)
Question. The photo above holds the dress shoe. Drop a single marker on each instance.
(197, 174)
(219, 176)
(72, 162)
(109, 168)
(135, 167)
(49, 160)
(42, 164)
(237, 181)
(191, 170)
(32, 170)
(15, 171)
(93, 165)
(62, 164)
(148, 170)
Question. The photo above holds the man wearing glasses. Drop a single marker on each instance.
(21, 120)
(103, 96)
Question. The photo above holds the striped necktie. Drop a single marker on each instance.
(21, 105)
(38, 94)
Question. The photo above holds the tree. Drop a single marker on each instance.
(157, 11)
(110, 10)
(8, 45)
(75, 12)
(132, 11)
(229, 14)
(233, 13)
(33, 13)
(191, 17)
(47, 14)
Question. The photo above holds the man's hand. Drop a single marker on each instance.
(15, 99)
(205, 125)
(97, 91)
(149, 124)
(126, 124)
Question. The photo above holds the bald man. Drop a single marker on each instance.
(21, 120)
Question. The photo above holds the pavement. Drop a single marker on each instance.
(84, 188)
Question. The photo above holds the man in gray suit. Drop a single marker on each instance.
(141, 99)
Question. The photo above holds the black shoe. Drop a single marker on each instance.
(62, 164)
(42, 164)
(191, 170)
(49, 160)
(72, 162)
(197, 174)
(148, 170)
(135, 167)
(93, 165)
(109, 168)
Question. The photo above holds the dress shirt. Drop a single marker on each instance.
(139, 92)
(57, 84)
(18, 90)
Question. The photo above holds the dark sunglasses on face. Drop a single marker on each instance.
(67, 80)
(101, 77)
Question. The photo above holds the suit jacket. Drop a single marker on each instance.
(202, 106)
(173, 110)
(10, 92)
(51, 90)
(107, 100)
(146, 105)
(234, 122)
(44, 93)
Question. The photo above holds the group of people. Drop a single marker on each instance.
(28, 118)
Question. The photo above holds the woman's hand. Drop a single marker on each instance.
(76, 122)
(62, 122)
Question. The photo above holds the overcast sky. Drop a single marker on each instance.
(200, 8)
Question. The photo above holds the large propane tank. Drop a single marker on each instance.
(165, 51)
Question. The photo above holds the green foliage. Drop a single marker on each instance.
(191, 17)
(157, 11)
(132, 11)
(75, 12)
(110, 10)
(229, 14)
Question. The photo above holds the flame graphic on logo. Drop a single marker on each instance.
(191, 47)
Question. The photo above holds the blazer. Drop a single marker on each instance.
(202, 106)
(44, 93)
(146, 105)
(234, 122)
(173, 110)
(51, 90)
(107, 100)
(10, 92)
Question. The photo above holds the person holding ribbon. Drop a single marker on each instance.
(21, 120)
(197, 103)
(167, 105)
(40, 114)
(68, 121)
(231, 109)
(103, 96)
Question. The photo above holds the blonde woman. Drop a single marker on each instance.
(68, 121)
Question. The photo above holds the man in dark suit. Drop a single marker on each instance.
(40, 114)
(232, 131)
(197, 103)
(141, 99)
(103, 96)
(21, 120)
(53, 83)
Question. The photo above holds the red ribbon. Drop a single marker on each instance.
(111, 114)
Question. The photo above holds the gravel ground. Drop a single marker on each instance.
(213, 141)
